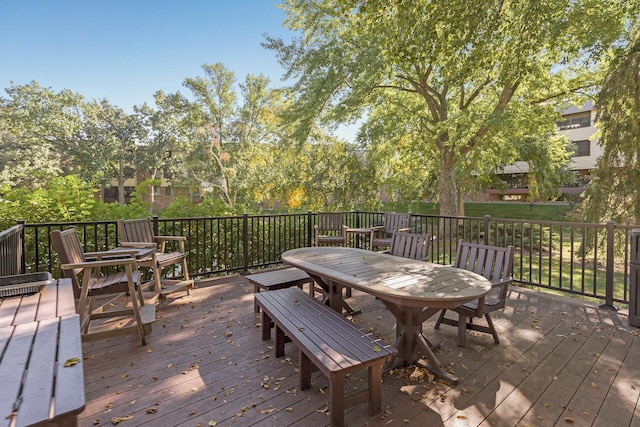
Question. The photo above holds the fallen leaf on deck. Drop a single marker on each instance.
(568, 419)
(117, 420)
(152, 410)
(71, 362)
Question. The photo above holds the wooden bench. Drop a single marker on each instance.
(279, 279)
(330, 342)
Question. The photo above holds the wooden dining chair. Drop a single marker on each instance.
(381, 235)
(138, 233)
(410, 245)
(496, 264)
(330, 230)
(121, 287)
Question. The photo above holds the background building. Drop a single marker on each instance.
(578, 126)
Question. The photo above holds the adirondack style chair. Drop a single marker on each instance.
(138, 233)
(125, 283)
(496, 264)
(330, 230)
(410, 245)
(381, 235)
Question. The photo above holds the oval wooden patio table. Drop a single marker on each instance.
(411, 290)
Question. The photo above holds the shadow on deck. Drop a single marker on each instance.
(560, 362)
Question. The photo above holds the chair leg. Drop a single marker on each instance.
(492, 328)
(89, 306)
(440, 318)
(156, 278)
(135, 305)
(185, 272)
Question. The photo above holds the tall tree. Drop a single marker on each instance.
(111, 143)
(226, 149)
(475, 68)
(613, 192)
(160, 153)
(37, 126)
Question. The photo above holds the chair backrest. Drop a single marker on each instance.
(396, 221)
(330, 221)
(136, 230)
(493, 262)
(70, 251)
(409, 245)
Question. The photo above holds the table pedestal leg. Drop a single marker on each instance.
(411, 343)
(333, 292)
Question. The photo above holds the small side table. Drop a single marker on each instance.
(360, 231)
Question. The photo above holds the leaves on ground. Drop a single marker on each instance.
(118, 420)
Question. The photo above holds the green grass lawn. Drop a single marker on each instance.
(507, 210)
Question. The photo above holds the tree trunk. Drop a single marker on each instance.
(460, 204)
(447, 189)
(121, 182)
(447, 193)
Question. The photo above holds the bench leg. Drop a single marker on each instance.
(256, 309)
(306, 367)
(280, 341)
(375, 389)
(266, 326)
(336, 399)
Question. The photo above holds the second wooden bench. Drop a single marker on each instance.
(330, 342)
(279, 279)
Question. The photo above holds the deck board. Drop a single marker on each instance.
(205, 361)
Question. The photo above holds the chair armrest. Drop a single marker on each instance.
(376, 228)
(175, 238)
(102, 263)
(111, 254)
(404, 229)
(139, 245)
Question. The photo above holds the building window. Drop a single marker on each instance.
(583, 148)
(169, 191)
(157, 191)
(574, 121)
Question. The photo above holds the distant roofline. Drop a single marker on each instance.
(588, 106)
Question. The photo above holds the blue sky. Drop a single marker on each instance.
(125, 50)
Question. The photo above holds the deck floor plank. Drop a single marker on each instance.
(206, 362)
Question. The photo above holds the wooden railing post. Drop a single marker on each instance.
(23, 247)
(156, 225)
(611, 229)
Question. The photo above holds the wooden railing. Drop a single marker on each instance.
(12, 251)
(590, 260)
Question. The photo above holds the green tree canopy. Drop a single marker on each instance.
(467, 72)
(613, 192)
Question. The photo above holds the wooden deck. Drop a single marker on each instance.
(560, 362)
